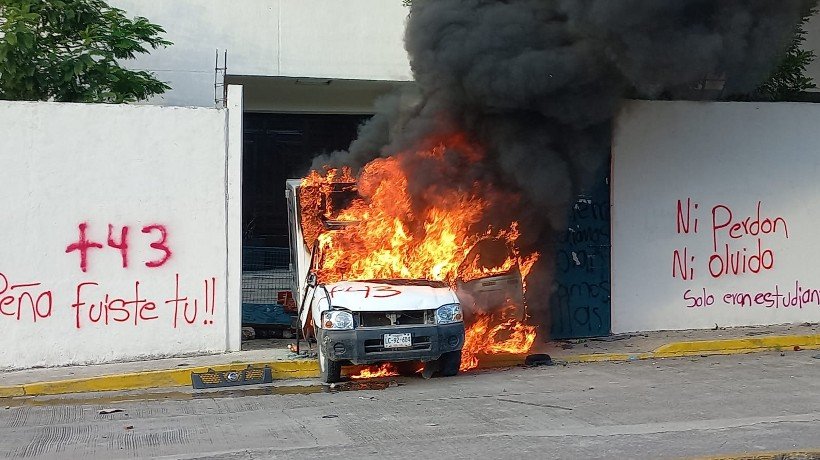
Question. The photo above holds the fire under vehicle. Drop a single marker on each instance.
(374, 321)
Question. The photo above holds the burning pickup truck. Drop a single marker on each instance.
(369, 293)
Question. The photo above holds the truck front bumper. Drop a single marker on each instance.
(366, 345)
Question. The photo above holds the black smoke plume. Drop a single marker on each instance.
(537, 83)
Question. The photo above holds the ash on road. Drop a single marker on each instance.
(650, 409)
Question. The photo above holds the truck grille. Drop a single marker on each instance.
(377, 345)
(395, 318)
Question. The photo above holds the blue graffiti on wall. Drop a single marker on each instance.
(580, 302)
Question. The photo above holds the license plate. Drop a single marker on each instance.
(398, 340)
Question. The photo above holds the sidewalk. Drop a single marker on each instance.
(176, 372)
(671, 344)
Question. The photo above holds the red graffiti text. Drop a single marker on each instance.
(724, 223)
(119, 240)
(187, 309)
(379, 291)
(698, 299)
(15, 299)
(94, 306)
(741, 261)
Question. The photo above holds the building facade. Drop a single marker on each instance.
(311, 71)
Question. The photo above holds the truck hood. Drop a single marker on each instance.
(388, 296)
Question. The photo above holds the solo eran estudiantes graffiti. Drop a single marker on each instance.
(92, 304)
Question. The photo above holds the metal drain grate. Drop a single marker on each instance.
(218, 379)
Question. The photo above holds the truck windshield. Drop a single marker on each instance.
(319, 208)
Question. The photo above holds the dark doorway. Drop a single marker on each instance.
(580, 304)
(278, 147)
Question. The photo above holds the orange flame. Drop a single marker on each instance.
(372, 372)
(387, 239)
(482, 338)
(386, 234)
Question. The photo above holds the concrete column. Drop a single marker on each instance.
(233, 203)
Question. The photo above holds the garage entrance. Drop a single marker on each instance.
(278, 147)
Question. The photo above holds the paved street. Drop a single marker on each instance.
(649, 409)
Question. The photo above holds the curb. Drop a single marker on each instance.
(281, 370)
(169, 378)
(709, 347)
(154, 379)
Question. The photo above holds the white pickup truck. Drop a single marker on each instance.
(371, 321)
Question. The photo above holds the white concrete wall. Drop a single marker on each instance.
(159, 172)
(351, 39)
(737, 168)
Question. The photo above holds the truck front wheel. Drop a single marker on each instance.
(329, 371)
(449, 363)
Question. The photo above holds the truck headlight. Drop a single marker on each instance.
(337, 319)
(450, 313)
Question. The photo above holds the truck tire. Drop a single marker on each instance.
(449, 363)
(329, 371)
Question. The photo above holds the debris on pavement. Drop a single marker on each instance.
(109, 411)
(538, 359)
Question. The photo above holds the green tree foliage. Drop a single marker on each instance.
(789, 78)
(70, 51)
